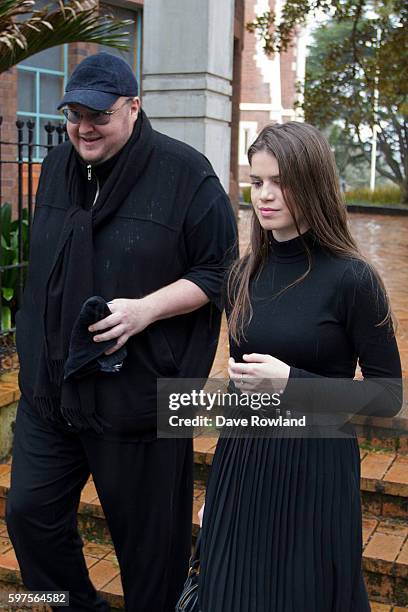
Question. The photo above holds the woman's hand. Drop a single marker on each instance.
(200, 514)
(129, 317)
(259, 374)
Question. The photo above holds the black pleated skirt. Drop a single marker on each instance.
(282, 527)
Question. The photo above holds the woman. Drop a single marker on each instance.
(282, 523)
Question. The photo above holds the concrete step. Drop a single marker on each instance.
(385, 556)
(91, 518)
(385, 560)
(384, 484)
(384, 489)
(385, 566)
(100, 559)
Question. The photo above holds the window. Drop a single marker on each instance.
(134, 55)
(41, 83)
(247, 135)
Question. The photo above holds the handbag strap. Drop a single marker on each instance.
(195, 558)
(197, 547)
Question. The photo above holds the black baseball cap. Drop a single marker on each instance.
(98, 81)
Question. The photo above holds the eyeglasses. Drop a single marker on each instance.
(95, 117)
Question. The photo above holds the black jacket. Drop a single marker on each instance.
(177, 222)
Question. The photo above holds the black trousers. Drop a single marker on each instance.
(145, 489)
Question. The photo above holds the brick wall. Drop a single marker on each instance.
(254, 88)
(8, 109)
(79, 51)
(258, 83)
(288, 77)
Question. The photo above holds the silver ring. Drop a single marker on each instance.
(242, 379)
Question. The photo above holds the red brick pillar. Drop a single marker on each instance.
(79, 51)
(8, 110)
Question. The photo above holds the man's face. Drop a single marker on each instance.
(97, 143)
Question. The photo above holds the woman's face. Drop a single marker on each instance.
(267, 198)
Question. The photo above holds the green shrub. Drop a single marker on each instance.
(9, 256)
(246, 194)
(382, 195)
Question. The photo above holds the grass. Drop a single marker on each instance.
(382, 196)
(246, 194)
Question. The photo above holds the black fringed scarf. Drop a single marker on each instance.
(70, 282)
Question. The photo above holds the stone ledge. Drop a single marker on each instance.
(100, 559)
(9, 390)
(397, 425)
(9, 396)
(376, 209)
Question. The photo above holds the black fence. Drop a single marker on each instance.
(18, 161)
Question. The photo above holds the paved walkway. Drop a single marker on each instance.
(384, 240)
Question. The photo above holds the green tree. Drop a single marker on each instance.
(353, 167)
(25, 31)
(351, 157)
(362, 49)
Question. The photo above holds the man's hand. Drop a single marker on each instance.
(129, 317)
(132, 316)
(259, 373)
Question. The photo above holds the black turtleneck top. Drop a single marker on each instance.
(322, 328)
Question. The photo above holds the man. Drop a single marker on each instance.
(125, 213)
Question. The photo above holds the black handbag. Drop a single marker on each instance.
(188, 601)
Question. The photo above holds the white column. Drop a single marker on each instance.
(187, 74)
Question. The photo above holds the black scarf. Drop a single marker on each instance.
(70, 282)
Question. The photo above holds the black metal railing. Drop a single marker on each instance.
(18, 162)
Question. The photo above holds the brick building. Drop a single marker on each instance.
(31, 90)
(268, 86)
(263, 89)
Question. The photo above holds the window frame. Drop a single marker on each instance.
(247, 133)
(37, 116)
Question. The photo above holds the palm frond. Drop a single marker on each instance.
(72, 22)
(12, 8)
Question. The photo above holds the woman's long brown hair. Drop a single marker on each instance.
(310, 188)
